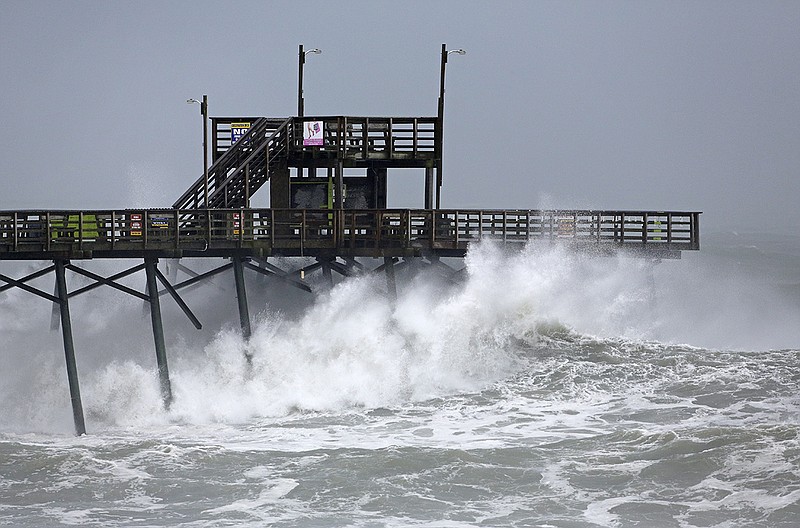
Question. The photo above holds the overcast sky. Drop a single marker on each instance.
(613, 105)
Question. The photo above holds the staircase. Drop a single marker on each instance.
(243, 168)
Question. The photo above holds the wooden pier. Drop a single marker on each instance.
(327, 179)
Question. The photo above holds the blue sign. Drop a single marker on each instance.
(238, 130)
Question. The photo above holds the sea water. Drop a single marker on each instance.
(535, 388)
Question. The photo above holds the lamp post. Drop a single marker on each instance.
(204, 112)
(302, 60)
(440, 115)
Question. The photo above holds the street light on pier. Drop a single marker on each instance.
(302, 60)
(204, 112)
(440, 114)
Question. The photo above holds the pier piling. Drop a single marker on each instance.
(241, 296)
(158, 331)
(69, 348)
(391, 284)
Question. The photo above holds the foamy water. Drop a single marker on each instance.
(545, 389)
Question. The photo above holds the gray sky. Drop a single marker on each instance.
(617, 104)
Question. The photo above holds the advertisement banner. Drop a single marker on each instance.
(312, 134)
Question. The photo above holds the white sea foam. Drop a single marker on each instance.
(351, 349)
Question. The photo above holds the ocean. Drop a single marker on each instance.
(536, 388)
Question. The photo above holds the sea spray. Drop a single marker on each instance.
(351, 348)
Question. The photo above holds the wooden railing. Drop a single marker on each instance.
(369, 137)
(353, 232)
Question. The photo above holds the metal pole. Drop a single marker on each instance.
(204, 112)
(158, 331)
(301, 61)
(440, 123)
(69, 349)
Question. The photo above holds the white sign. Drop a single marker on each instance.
(312, 133)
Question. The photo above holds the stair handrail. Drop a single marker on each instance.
(224, 161)
(256, 151)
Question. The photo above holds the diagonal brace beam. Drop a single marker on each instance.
(198, 278)
(195, 321)
(21, 285)
(343, 270)
(107, 281)
(274, 271)
(32, 276)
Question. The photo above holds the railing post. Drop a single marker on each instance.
(365, 139)
(241, 227)
(598, 221)
(456, 225)
(416, 137)
(145, 223)
(669, 228)
(177, 229)
(113, 229)
(247, 183)
(80, 230)
(48, 231)
(390, 139)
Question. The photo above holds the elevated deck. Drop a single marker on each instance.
(47, 235)
(250, 151)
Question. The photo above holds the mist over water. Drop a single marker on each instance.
(541, 386)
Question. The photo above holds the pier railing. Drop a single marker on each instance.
(26, 234)
(368, 137)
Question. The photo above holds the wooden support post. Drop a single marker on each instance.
(241, 296)
(339, 183)
(391, 284)
(326, 272)
(382, 188)
(69, 349)
(54, 315)
(429, 188)
(158, 331)
(652, 296)
(439, 185)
